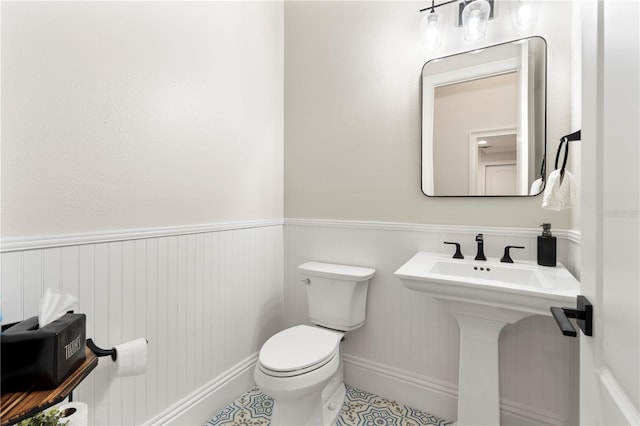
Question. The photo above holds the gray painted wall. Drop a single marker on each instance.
(352, 112)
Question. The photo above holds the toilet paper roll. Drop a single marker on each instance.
(131, 357)
(76, 413)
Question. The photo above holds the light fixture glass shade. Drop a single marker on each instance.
(524, 13)
(431, 29)
(474, 19)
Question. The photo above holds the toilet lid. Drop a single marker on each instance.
(298, 348)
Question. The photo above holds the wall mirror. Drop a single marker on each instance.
(483, 121)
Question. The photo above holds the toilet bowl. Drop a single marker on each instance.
(301, 367)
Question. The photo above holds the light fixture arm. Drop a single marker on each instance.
(433, 5)
(463, 4)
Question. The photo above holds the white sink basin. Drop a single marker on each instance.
(485, 296)
(487, 274)
(521, 286)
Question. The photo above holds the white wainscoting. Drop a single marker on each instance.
(192, 291)
(206, 298)
(210, 398)
(407, 334)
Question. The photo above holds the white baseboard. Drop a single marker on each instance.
(433, 396)
(204, 403)
(437, 398)
(513, 413)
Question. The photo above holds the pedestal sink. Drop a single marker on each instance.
(484, 296)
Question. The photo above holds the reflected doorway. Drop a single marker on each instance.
(493, 159)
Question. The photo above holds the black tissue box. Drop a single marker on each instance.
(41, 358)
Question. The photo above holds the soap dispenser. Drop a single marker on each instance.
(546, 247)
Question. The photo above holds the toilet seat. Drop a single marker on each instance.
(298, 350)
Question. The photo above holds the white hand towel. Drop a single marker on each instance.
(536, 187)
(560, 196)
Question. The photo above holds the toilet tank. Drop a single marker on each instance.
(337, 294)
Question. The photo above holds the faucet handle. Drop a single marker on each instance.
(458, 253)
(506, 258)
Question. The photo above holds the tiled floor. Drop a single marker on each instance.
(360, 409)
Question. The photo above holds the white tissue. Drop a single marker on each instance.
(76, 413)
(131, 357)
(53, 305)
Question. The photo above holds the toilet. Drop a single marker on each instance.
(301, 367)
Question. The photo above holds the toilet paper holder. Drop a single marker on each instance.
(102, 352)
(130, 358)
(113, 353)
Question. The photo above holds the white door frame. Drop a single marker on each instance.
(474, 137)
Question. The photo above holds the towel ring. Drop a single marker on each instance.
(566, 156)
(575, 136)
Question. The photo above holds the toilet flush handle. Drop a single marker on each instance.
(306, 281)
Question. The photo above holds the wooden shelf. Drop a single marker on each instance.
(16, 406)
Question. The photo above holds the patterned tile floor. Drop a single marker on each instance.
(360, 409)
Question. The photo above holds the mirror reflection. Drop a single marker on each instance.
(483, 121)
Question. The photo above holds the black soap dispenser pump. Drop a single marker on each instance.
(546, 247)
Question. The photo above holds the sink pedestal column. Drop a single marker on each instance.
(479, 381)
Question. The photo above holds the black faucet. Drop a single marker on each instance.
(458, 253)
(506, 258)
(480, 255)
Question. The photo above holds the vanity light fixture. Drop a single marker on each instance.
(472, 16)
(524, 13)
(431, 28)
(474, 19)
